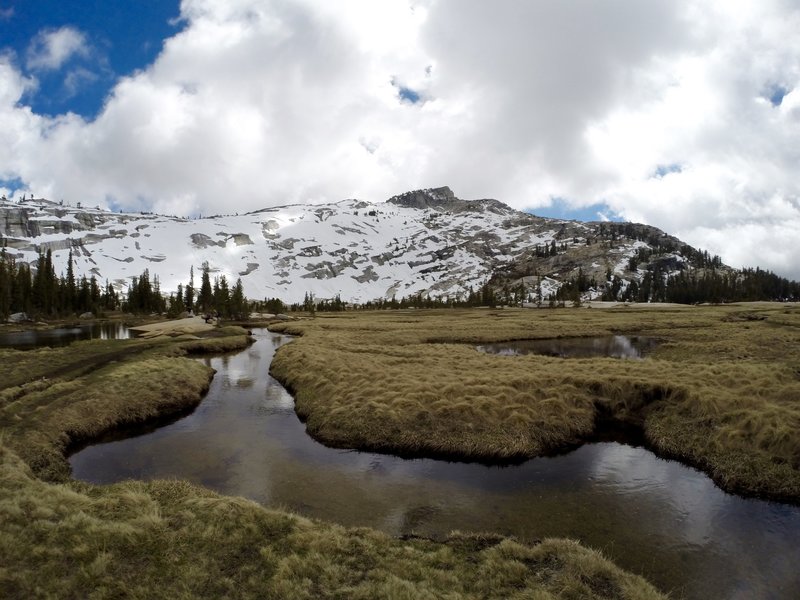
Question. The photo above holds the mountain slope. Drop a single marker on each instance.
(425, 241)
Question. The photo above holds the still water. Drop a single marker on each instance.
(615, 346)
(655, 517)
(63, 336)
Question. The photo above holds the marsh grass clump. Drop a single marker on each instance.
(721, 391)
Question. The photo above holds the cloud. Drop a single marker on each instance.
(78, 78)
(51, 48)
(665, 112)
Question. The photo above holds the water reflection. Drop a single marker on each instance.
(654, 517)
(615, 346)
(63, 336)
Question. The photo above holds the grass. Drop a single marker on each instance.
(60, 538)
(721, 391)
(55, 398)
(169, 539)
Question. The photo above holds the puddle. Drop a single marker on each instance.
(615, 346)
(63, 336)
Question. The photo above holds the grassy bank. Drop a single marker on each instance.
(721, 391)
(54, 398)
(60, 538)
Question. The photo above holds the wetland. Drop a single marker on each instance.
(651, 516)
(383, 404)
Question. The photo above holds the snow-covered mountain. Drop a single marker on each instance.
(425, 241)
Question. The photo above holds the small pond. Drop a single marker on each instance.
(63, 336)
(615, 346)
(655, 517)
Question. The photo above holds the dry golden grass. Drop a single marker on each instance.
(169, 539)
(53, 398)
(60, 538)
(722, 391)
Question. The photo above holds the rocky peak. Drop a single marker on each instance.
(444, 200)
(440, 198)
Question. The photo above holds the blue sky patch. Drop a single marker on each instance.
(560, 209)
(409, 95)
(120, 38)
(776, 94)
(406, 94)
(13, 184)
(662, 170)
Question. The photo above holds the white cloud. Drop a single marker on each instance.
(259, 102)
(51, 48)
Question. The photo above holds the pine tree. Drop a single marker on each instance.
(221, 295)
(6, 279)
(70, 293)
(94, 295)
(188, 299)
(22, 292)
(109, 299)
(205, 300)
(238, 303)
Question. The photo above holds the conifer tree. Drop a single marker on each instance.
(70, 293)
(188, 299)
(238, 303)
(205, 300)
(6, 279)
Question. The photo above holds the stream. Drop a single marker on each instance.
(655, 517)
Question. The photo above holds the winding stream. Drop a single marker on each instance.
(655, 517)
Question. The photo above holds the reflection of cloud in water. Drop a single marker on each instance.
(245, 382)
(747, 537)
(618, 346)
(277, 397)
(622, 346)
(691, 495)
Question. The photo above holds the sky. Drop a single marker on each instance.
(681, 115)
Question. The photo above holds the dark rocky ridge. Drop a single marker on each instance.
(443, 199)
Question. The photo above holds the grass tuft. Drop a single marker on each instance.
(721, 391)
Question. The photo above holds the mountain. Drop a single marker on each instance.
(424, 241)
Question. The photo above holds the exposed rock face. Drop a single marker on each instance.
(201, 240)
(423, 241)
(438, 198)
(442, 199)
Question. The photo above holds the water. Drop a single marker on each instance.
(654, 517)
(616, 346)
(63, 336)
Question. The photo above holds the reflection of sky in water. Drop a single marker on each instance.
(652, 516)
(63, 336)
(615, 346)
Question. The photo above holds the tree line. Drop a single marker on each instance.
(710, 285)
(217, 298)
(39, 292)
